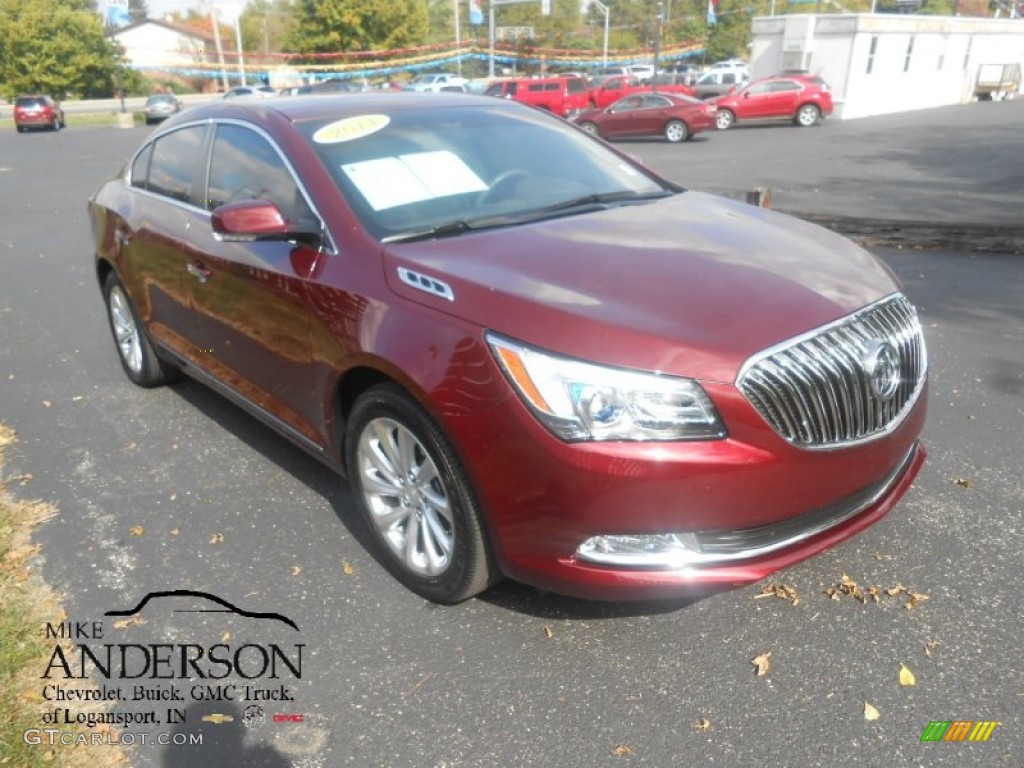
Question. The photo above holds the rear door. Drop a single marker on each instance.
(163, 207)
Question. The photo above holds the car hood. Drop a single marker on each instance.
(691, 285)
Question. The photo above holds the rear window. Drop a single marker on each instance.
(29, 101)
(576, 84)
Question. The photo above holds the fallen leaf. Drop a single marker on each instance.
(963, 482)
(781, 591)
(930, 646)
(134, 621)
(621, 750)
(893, 591)
(915, 598)
(833, 593)
(296, 570)
(906, 676)
(875, 593)
(136, 530)
(76, 398)
(175, 531)
(763, 663)
(225, 637)
(548, 631)
(47, 403)
(870, 713)
(217, 538)
(347, 568)
(703, 725)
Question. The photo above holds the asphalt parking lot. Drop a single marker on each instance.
(175, 489)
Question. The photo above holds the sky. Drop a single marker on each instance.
(227, 8)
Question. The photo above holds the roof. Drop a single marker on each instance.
(181, 29)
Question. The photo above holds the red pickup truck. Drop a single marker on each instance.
(613, 88)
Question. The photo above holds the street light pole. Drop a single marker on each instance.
(607, 13)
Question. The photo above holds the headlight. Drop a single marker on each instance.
(585, 401)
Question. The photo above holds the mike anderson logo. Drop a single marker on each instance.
(173, 660)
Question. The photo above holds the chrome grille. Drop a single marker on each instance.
(823, 389)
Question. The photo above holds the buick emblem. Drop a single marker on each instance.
(882, 366)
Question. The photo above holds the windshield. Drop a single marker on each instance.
(465, 167)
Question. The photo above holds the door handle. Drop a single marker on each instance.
(122, 237)
(199, 271)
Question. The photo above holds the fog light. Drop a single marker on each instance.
(658, 550)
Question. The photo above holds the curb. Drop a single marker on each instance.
(924, 235)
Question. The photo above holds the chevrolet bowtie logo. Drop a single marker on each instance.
(217, 718)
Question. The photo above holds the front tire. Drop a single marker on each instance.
(676, 131)
(416, 497)
(590, 128)
(807, 116)
(724, 119)
(138, 358)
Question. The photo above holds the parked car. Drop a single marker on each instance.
(642, 72)
(718, 83)
(435, 81)
(803, 99)
(614, 70)
(686, 74)
(615, 87)
(561, 95)
(675, 117)
(738, 66)
(251, 91)
(160, 106)
(428, 295)
(37, 111)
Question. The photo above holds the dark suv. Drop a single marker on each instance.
(37, 112)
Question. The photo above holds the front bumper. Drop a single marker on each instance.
(755, 503)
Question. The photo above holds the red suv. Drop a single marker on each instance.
(564, 95)
(37, 112)
(801, 98)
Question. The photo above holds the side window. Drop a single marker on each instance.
(728, 78)
(173, 165)
(245, 166)
(533, 87)
(140, 168)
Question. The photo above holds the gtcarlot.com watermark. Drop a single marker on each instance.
(53, 737)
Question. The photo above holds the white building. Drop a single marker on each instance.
(882, 63)
(153, 44)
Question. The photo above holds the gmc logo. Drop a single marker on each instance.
(288, 718)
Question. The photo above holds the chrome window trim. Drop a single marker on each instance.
(328, 247)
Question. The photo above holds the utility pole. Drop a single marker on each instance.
(657, 43)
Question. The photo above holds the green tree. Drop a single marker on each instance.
(138, 9)
(266, 25)
(326, 26)
(54, 46)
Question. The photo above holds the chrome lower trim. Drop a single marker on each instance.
(747, 543)
(707, 549)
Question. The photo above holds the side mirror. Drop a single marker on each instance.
(248, 220)
(732, 90)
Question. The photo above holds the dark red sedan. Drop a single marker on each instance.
(531, 356)
(674, 116)
(803, 99)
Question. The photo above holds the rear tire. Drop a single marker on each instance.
(724, 119)
(590, 128)
(138, 358)
(676, 131)
(416, 497)
(807, 116)
(56, 124)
